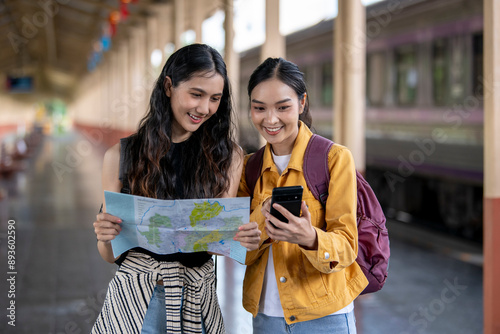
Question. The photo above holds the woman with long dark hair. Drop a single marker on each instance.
(303, 277)
(183, 149)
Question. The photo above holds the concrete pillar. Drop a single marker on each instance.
(165, 21)
(274, 46)
(139, 59)
(198, 19)
(120, 104)
(152, 32)
(491, 167)
(90, 100)
(179, 18)
(117, 86)
(113, 89)
(103, 92)
(349, 75)
(142, 78)
(232, 59)
(107, 72)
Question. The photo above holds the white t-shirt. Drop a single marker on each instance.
(270, 303)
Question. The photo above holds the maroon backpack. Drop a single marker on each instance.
(373, 237)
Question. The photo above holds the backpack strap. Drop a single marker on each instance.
(316, 171)
(253, 169)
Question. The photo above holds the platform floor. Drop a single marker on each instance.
(434, 284)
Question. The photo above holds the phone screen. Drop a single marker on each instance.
(288, 197)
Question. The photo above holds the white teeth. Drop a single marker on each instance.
(194, 117)
(273, 129)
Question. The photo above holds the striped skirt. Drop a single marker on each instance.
(131, 289)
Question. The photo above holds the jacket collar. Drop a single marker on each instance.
(298, 151)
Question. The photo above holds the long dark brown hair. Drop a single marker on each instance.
(208, 151)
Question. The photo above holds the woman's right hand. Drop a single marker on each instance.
(107, 227)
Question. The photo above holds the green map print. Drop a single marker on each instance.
(202, 211)
(205, 211)
(153, 232)
(201, 245)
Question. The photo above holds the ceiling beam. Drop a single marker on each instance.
(76, 14)
(50, 40)
(114, 4)
(64, 40)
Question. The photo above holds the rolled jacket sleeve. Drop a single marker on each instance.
(337, 242)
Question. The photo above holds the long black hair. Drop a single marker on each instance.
(288, 73)
(208, 151)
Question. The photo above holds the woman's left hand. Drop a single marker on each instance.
(298, 230)
(249, 236)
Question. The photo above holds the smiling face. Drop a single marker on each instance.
(193, 102)
(275, 110)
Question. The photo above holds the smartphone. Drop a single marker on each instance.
(288, 197)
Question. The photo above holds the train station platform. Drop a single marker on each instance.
(59, 280)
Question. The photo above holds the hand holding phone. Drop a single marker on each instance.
(288, 197)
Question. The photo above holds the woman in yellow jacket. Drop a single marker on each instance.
(303, 278)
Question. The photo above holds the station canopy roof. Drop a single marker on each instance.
(55, 40)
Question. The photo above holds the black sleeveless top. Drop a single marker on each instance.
(190, 260)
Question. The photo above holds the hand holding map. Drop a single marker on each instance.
(179, 226)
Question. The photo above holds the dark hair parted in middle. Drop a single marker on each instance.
(208, 151)
(288, 73)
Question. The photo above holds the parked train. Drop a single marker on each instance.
(424, 107)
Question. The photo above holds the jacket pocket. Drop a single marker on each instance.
(313, 281)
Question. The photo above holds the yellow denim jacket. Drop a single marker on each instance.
(311, 283)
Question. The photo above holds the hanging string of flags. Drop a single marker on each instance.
(108, 30)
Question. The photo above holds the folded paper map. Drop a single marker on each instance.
(179, 226)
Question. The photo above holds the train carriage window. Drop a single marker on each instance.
(477, 66)
(327, 84)
(376, 69)
(306, 72)
(311, 77)
(457, 70)
(449, 68)
(406, 75)
(439, 72)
